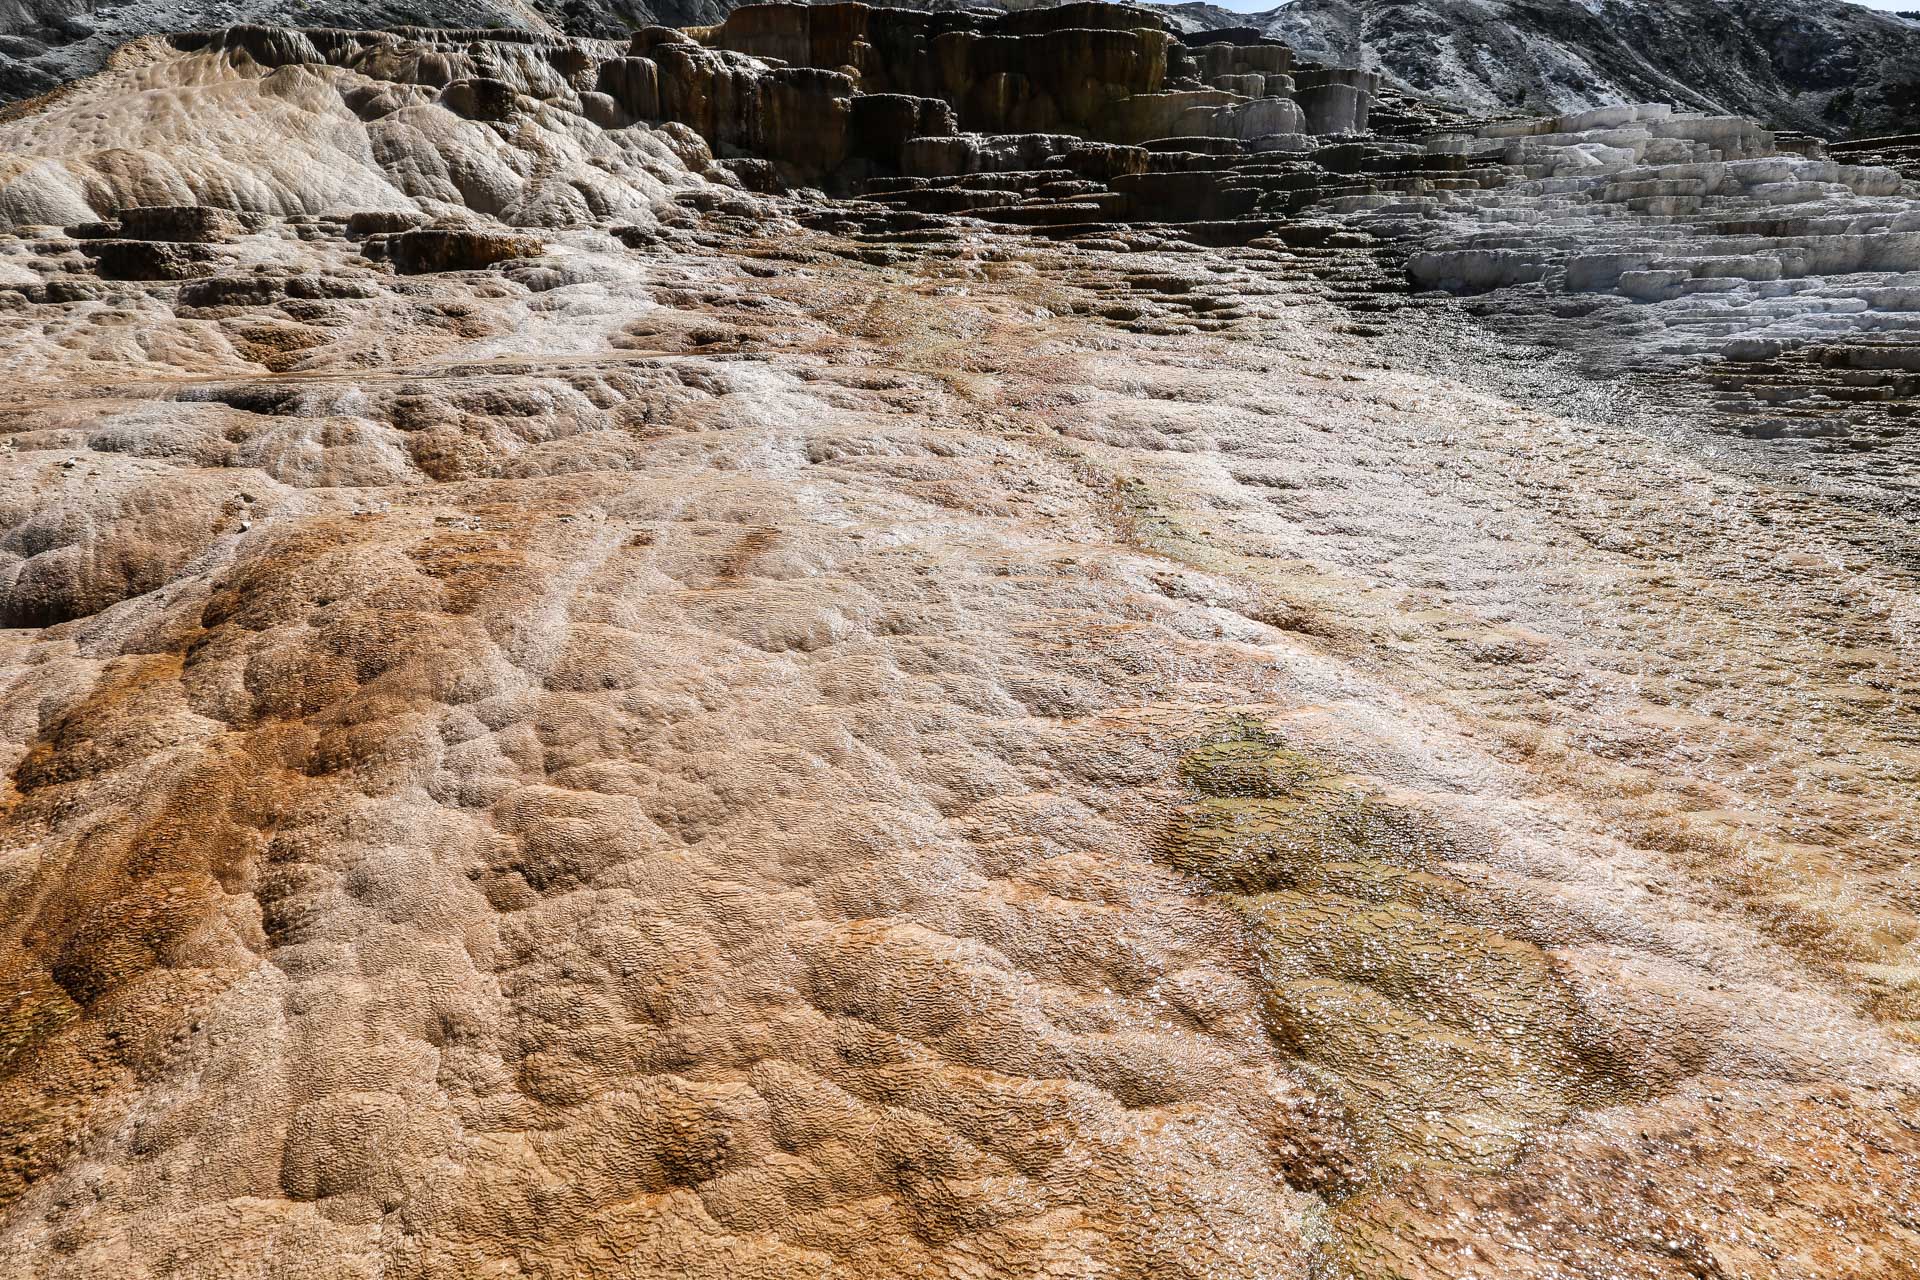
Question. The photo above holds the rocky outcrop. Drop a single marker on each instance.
(642, 657)
(1071, 122)
(1828, 66)
(1058, 70)
(45, 43)
(147, 259)
(833, 96)
(434, 249)
(1103, 71)
(1641, 240)
(198, 224)
(1823, 65)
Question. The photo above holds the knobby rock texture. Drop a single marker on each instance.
(1830, 66)
(578, 704)
(1833, 67)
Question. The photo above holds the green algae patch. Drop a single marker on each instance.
(1449, 1042)
(1149, 520)
(1388, 981)
(35, 1010)
(1252, 768)
(1257, 845)
(1271, 816)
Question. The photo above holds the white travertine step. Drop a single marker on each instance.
(1720, 240)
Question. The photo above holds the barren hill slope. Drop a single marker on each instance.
(1823, 65)
(621, 660)
(1826, 66)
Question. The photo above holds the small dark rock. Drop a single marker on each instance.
(636, 237)
(602, 110)
(68, 289)
(754, 175)
(415, 252)
(188, 223)
(368, 222)
(881, 123)
(480, 98)
(148, 259)
(230, 291)
(647, 39)
(265, 290)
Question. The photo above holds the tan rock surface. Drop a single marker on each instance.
(729, 760)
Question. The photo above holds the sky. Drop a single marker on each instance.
(1261, 6)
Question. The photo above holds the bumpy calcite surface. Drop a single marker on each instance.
(1644, 240)
(782, 751)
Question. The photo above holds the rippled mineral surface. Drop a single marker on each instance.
(728, 751)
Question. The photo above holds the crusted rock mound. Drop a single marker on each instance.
(719, 655)
(281, 122)
(1828, 66)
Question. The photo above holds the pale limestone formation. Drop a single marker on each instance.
(330, 122)
(1692, 241)
(570, 709)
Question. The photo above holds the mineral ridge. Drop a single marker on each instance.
(864, 643)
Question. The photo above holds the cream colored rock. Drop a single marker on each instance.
(216, 128)
(710, 748)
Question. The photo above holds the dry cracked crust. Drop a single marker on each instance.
(742, 762)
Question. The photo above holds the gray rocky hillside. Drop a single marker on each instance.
(1825, 66)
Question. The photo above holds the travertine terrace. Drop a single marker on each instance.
(864, 644)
